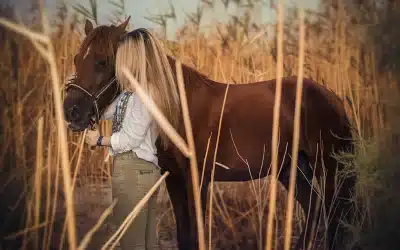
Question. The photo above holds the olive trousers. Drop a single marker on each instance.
(132, 178)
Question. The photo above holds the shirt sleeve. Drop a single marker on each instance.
(135, 125)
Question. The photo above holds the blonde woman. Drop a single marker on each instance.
(132, 142)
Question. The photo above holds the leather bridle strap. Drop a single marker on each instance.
(93, 97)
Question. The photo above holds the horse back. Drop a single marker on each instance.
(246, 130)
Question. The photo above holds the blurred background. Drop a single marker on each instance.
(351, 48)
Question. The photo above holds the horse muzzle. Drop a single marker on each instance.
(77, 119)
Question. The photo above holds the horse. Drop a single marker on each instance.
(246, 130)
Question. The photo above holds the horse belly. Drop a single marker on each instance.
(237, 174)
(242, 154)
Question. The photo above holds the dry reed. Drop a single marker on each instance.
(296, 132)
(275, 127)
(193, 157)
(213, 170)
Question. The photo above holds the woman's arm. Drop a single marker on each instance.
(136, 122)
(93, 138)
(106, 141)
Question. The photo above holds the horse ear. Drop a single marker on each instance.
(88, 26)
(123, 25)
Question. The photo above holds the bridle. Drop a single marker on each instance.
(94, 97)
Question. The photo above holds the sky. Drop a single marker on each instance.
(138, 9)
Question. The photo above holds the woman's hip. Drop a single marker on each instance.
(132, 161)
(128, 167)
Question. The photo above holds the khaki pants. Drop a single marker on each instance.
(132, 178)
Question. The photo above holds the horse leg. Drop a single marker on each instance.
(305, 195)
(192, 208)
(176, 187)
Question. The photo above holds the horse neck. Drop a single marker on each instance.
(190, 76)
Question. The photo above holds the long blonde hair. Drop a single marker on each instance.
(143, 55)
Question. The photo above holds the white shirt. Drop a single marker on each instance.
(138, 132)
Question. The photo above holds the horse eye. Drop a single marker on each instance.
(101, 63)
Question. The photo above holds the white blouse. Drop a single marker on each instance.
(138, 132)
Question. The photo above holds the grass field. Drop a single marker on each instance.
(336, 55)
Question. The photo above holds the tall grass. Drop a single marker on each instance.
(239, 52)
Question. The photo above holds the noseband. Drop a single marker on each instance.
(94, 97)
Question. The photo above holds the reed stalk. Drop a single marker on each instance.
(275, 127)
(296, 134)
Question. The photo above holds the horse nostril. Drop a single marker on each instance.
(73, 113)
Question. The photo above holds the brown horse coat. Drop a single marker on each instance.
(247, 122)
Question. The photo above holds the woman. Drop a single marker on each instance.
(134, 133)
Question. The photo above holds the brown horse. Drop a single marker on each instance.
(246, 130)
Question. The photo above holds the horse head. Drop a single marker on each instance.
(93, 86)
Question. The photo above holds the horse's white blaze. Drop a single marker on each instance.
(87, 52)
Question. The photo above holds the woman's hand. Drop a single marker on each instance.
(91, 137)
